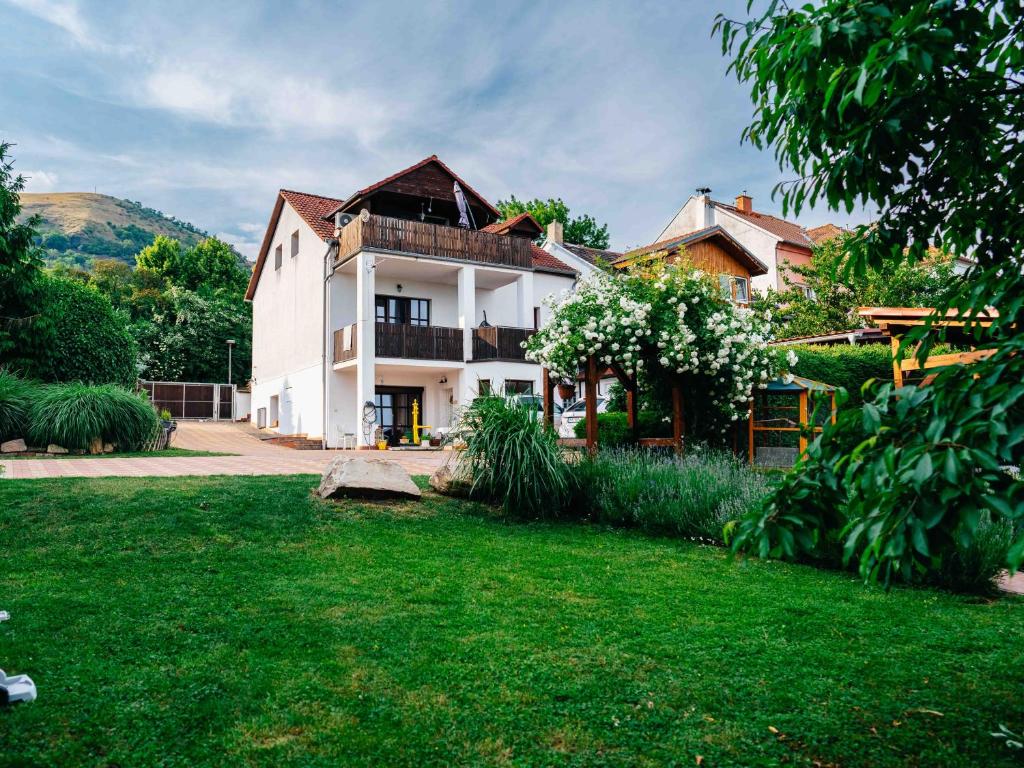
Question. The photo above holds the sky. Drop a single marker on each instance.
(205, 109)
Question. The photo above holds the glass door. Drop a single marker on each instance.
(394, 410)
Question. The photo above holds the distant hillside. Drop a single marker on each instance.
(77, 227)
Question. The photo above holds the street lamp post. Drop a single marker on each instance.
(231, 343)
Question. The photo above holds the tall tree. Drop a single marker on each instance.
(581, 230)
(20, 262)
(915, 107)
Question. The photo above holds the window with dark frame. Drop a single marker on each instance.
(536, 318)
(518, 387)
(483, 388)
(400, 310)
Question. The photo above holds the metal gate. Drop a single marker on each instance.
(192, 400)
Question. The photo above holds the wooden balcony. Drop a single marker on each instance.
(400, 235)
(500, 343)
(411, 342)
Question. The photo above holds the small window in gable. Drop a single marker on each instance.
(278, 252)
(295, 243)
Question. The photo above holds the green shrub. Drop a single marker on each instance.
(73, 415)
(975, 568)
(77, 337)
(510, 459)
(695, 495)
(613, 428)
(844, 365)
(15, 399)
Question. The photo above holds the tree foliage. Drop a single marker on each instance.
(19, 258)
(916, 109)
(581, 230)
(835, 297)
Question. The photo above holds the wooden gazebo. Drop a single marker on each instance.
(592, 371)
(897, 322)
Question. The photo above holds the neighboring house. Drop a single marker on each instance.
(775, 242)
(712, 250)
(581, 258)
(377, 298)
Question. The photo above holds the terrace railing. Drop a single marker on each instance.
(500, 342)
(412, 342)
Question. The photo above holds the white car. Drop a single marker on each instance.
(575, 413)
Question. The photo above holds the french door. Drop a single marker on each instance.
(394, 410)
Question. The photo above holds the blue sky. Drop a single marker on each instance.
(205, 109)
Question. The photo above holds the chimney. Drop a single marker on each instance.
(555, 232)
(744, 202)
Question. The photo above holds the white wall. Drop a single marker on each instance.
(287, 309)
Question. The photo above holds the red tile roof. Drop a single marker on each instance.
(825, 232)
(311, 208)
(754, 264)
(545, 262)
(501, 227)
(789, 231)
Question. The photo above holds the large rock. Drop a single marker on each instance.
(56, 449)
(96, 446)
(13, 446)
(369, 478)
(450, 479)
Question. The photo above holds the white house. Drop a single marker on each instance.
(364, 305)
(777, 243)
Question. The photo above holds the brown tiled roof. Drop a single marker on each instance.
(425, 161)
(594, 256)
(545, 262)
(311, 208)
(501, 227)
(789, 231)
(756, 266)
(818, 235)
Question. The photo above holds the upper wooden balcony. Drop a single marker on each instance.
(403, 236)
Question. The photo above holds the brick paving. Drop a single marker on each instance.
(254, 457)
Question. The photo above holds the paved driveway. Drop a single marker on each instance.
(255, 457)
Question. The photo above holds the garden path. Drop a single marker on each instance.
(254, 457)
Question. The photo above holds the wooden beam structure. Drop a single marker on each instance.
(591, 405)
(678, 419)
(548, 387)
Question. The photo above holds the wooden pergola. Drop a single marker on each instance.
(629, 384)
(897, 322)
(772, 420)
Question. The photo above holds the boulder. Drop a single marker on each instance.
(13, 446)
(369, 478)
(96, 446)
(108, 447)
(56, 449)
(450, 480)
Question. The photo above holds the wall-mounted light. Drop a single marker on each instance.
(443, 380)
(399, 287)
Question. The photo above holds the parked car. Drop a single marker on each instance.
(575, 413)
(537, 402)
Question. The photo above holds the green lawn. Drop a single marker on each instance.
(226, 621)
(164, 454)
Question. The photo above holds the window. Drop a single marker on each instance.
(518, 387)
(734, 288)
(483, 387)
(402, 311)
(536, 318)
(278, 252)
(295, 243)
(807, 291)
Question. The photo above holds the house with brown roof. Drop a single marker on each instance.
(776, 243)
(366, 304)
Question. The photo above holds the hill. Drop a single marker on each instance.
(77, 227)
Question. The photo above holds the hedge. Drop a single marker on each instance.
(844, 365)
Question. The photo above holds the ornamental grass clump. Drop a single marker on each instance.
(693, 496)
(74, 415)
(510, 459)
(15, 399)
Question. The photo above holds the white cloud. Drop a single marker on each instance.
(67, 16)
(40, 181)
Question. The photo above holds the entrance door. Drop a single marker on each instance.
(394, 410)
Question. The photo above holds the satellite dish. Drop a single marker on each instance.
(364, 215)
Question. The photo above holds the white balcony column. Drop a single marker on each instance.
(467, 309)
(366, 318)
(524, 300)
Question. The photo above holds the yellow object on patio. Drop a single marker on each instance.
(416, 426)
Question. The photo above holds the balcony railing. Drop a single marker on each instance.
(500, 343)
(412, 342)
(390, 234)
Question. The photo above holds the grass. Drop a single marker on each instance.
(164, 454)
(226, 621)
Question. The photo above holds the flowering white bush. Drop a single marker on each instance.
(671, 322)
